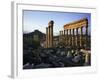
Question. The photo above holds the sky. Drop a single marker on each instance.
(38, 20)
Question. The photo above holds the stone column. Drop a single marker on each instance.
(50, 25)
(76, 37)
(67, 37)
(81, 36)
(62, 36)
(73, 37)
(46, 37)
(50, 37)
(59, 36)
(70, 37)
(86, 40)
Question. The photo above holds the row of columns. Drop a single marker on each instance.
(74, 40)
(61, 36)
(49, 35)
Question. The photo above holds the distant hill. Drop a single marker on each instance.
(36, 32)
(33, 39)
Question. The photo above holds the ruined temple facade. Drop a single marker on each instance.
(73, 36)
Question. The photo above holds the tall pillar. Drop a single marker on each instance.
(46, 37)
(73, 37)
(70, 37)
(76, 37)
(67, 36)
(60, 36)
(81, 36)
(86, 40)
(50, 26)
(50, 37)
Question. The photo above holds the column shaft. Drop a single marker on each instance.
(86, 40)
(81, 36)
(46, 37)
(76, 37)
(62, 36)
(67, 37)
(51, 36)
(70, 38)
(73, 38)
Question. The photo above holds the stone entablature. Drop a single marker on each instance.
(76, 24)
